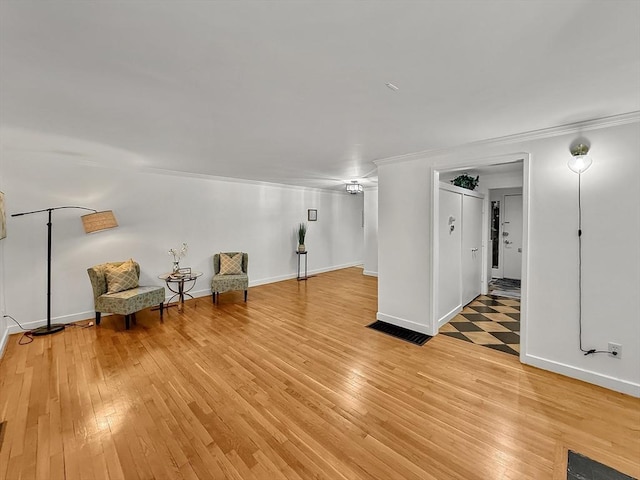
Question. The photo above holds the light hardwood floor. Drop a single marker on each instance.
(292, 385)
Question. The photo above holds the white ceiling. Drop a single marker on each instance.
(294, 92)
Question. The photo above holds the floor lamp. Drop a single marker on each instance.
(92, 222)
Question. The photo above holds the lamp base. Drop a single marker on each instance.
(47, 330)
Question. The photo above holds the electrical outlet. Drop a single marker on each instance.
(615, 350)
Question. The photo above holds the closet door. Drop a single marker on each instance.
(450, 230)
(471, 248)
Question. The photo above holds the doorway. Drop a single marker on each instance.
(506, 242)
(504, 324)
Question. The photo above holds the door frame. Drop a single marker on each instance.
(469, 164)
(502, 248)
(506, 191)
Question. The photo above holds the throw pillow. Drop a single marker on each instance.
(124, 277)
(230, 265)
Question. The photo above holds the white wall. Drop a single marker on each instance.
(371, 231)
(404, 229)
(611, 259)
(155, 211)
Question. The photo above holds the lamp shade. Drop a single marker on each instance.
(94, 222)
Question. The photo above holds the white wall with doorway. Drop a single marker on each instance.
(611, 222)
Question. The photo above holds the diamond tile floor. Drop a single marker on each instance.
(490, 321)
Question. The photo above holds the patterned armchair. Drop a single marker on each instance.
(125, 302)
(225, 282)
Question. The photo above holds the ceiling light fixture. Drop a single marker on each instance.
(354, 187)
(580, 161)
(392, 87)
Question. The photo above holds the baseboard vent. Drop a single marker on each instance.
(405, 334)
(580, 467)
(3, 427)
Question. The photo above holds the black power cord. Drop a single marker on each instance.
(591, 351)
(27, 333)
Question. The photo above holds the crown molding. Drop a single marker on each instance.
(604, 122)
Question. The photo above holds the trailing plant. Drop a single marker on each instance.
(466, 181)
(302, 232)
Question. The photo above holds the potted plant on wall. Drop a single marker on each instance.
(302, 232)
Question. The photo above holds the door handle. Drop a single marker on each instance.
(474, 249)
(507, 242)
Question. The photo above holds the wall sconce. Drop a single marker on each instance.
(354, 187)
(580, 161)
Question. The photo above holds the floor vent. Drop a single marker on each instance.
(580, 467)
(398, 332)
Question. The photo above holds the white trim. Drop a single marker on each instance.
(64, 319)
(435, 248)
(401, 322)
(370, 273)
(524, 278)
(578, 127)
(3, 342)
(612, 383)
(449, 316)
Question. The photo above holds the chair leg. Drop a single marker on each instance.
(127, 319)
(245, 295)
(161, 309)
(98, 318)
(213, 297)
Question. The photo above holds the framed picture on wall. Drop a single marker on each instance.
(312, 215)
(3, 218)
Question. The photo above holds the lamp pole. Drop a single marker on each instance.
(49, 328)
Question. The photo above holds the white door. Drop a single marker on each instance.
(512, 237)
(471, 248)
(450, 235)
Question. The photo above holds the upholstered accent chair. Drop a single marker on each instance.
(126, 301)
(226, 282)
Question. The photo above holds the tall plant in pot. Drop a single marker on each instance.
(302, 232)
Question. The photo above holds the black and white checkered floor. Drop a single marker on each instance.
(490, 321)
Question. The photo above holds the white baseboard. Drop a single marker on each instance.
(401, 322)
(3, 341)
(370, 273)
(289, 276)
(588, 376)
(75, 317)
(90, 315)
(449, 316)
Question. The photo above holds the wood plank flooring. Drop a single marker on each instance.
(291, 385)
